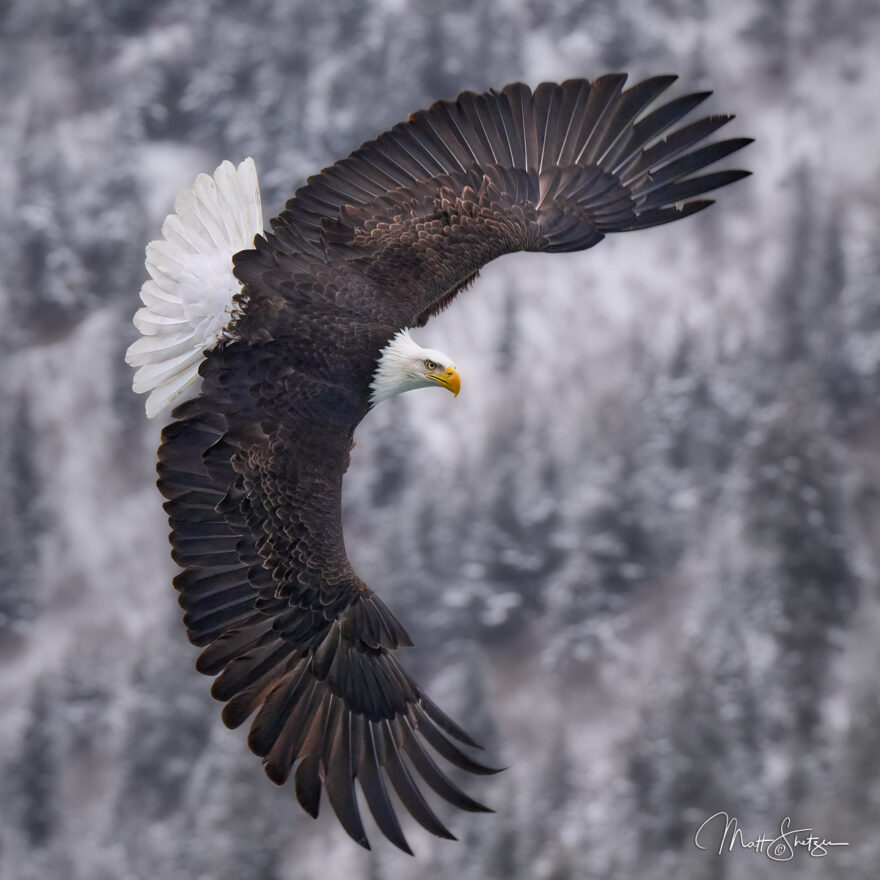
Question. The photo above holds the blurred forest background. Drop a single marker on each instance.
(640, 554)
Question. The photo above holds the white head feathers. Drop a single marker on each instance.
(404, 365)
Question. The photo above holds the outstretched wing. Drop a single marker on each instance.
(420, 209)
(252, 470)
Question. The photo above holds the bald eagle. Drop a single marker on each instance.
(275, 344)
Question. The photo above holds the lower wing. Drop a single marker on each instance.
(288, 628)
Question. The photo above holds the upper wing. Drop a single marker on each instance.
(418, 210)
(252, 470)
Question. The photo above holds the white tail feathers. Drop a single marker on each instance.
(188, 301)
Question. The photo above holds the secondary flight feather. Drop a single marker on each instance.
(275, 344)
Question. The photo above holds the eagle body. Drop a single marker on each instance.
(284, 351)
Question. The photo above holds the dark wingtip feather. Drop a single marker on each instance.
(661, 216)
(683, 190)
(373, 786)
(449, 750)
(276, 773)
(307, 785)
(238, 710)
(433, 776)
(444, 722)
(407, 790)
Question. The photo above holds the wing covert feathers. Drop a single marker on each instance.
(189, 299)
(329, 700)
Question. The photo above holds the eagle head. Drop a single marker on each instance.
(404, 365)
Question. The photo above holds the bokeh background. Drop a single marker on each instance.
(638, 554)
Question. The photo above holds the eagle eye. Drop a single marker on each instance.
(430, 365)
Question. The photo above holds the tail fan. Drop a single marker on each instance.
(190, 298)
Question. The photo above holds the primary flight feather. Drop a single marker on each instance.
(279, 343)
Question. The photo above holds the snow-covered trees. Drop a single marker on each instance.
(639, 552)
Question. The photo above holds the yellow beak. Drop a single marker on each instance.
(449, 380)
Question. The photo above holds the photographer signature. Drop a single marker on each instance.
(781, 848)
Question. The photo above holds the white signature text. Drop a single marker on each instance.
(781, 847)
